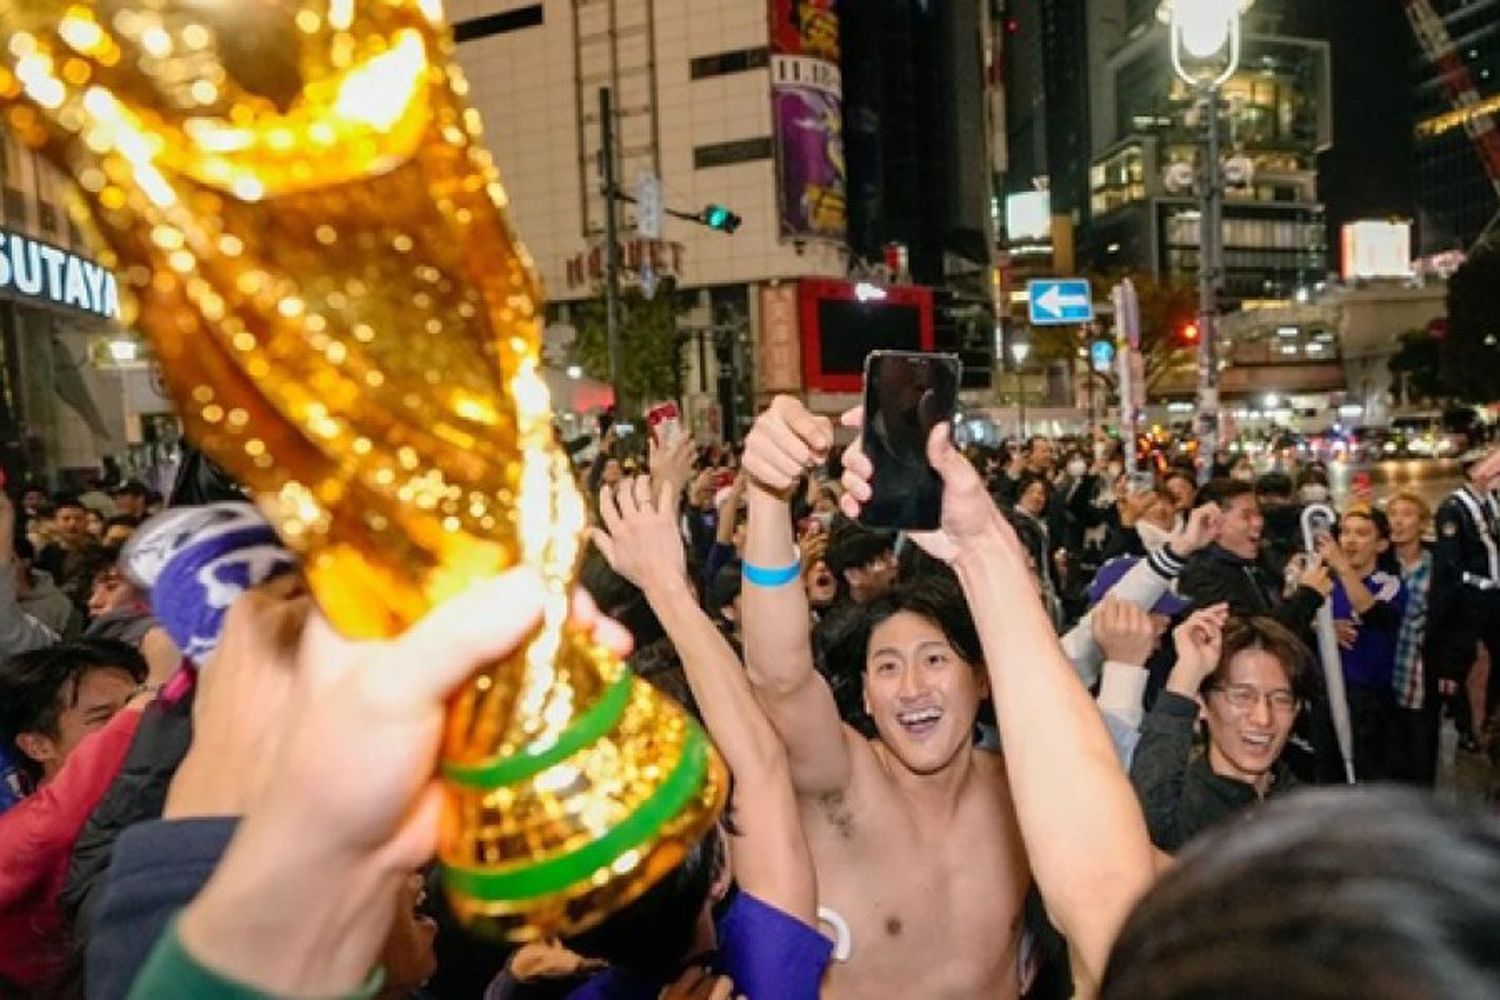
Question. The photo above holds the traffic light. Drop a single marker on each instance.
(720, 218)
(1187, 335)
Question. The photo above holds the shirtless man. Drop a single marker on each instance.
(923, 844)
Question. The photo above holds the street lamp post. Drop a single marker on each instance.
(1019, 349)
(1205, 54)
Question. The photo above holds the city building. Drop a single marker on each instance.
(1458, 195)
(838, 143)
(1276, 118)
(77, 388)
(1103, 131)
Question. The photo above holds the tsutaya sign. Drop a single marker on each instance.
(31, 269)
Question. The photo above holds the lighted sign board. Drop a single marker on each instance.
(31, 269)
(1028, 217)
(1376, 249)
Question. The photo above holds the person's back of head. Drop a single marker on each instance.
(654, 935)
(852, 549)
(1274, 488)
(1374, 893)
(51, 698)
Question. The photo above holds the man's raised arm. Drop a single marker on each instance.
(642, 544)
(1083, 829)
(786, 441)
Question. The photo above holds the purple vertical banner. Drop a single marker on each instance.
(807, 112)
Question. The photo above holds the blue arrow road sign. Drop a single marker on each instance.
(1056, 301)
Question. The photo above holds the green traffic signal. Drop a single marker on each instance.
(720, 218)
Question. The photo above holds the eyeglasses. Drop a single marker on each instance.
(1245, 697)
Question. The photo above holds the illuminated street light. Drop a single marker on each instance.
(1206, 37)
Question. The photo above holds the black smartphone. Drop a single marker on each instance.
(906, 395)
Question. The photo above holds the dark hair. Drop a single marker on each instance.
(132, 488)
(200, 480)
(1372, 891)
(61, 500)
(652, 936)
(724, 588)
(936, 598)
(853, 546)
(1274, 638)
(1178, 472)
(1274, 484)
(1311, 475)
(37, 686)
(1223, 492)
(1374, 516)
(618, 598)
(1027, 480)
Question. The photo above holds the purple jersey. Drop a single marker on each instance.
(1372, 660)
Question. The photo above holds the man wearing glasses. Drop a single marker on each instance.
(1247, 677)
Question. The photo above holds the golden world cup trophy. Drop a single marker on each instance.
(294, 198)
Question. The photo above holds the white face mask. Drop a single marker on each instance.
(1313, 493)
(1243, 475)
(1115, 468)
(1077, 467)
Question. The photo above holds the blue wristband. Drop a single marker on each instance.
(759, 576)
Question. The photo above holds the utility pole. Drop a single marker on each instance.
(611, 242)
(1210, 264)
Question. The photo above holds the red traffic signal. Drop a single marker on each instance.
(1188, 335)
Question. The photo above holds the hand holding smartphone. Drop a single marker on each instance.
(665, 420)
(907, 394)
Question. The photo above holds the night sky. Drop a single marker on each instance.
(1368, 172)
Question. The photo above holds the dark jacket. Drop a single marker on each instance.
(1281, 538)
(1462, 604)
(158, 868)
(1249, 588)
(1180, 794)
(138, 794)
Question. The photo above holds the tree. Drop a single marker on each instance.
(1166, 307)
(1469, 356)
(1418, 364)
(650, 345)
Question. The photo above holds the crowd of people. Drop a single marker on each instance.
(1067, 744)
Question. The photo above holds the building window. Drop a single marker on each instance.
(498, 24)
(46, 217)
(721, 154)
(724, 63)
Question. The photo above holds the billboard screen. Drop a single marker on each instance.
(807, 115)
(840, 327)
(1376, 249)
